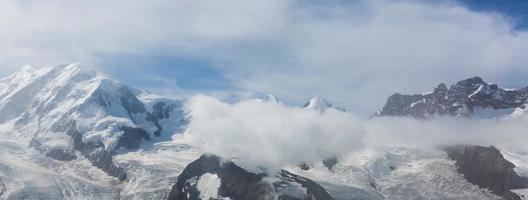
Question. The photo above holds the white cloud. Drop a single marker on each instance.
(39, 33)
(276, 135)
(358, 55)
(407, 132)
(352, 53)
(270, 134)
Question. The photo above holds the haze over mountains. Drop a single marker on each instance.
(70, 132)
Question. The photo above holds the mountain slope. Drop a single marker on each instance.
(486, 167)
(472, 97)
(394, 173)
(211, 177)
(321, 104)
(68, 110)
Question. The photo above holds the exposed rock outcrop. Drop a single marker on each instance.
(330, 162)
(234, 182)
(2, 188)
(487, 168)
(460, 99)
(96, 153)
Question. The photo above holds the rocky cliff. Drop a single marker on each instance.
(487, 168)
(211, 177)
(468, 97)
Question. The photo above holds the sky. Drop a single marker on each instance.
(353, 53)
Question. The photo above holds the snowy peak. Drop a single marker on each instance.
(66, 109)
(470, 97)
(42, 89)
(269, 98)
(320, 104)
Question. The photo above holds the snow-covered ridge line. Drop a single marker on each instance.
(65, 110)
(321, 104)
(472, 97)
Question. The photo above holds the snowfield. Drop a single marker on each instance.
(27, 174)
(395, 173)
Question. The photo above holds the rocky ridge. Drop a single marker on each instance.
(465, 98)
(212, 177)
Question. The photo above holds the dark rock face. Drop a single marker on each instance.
(160, 111)
(330, 162)
(458, 100)
(61, 155)
(103, 160)
(96, 154)
(132, 137)
(2, 188)
(487, 168)
(305, 166)
(237, 183)
(131, 103)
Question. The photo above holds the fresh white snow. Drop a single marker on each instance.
(208, 185)
(396, 173)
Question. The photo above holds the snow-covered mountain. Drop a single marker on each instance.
(67, 110)
(485, 167)
(212, 177)
(71, 114)
(269, 98)
(321, 104)
(471, 97)
(70, 132)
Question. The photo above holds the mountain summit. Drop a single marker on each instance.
(472, 97)
(320, 104)
(66, 110)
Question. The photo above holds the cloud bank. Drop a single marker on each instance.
(275, 135)
(271, 134)
(508, 132)
(354, 53)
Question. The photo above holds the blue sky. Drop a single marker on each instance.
(199, 74)
(354, 53)
(517, 9)
(186, 73)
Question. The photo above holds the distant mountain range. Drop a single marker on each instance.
(72, 112)
(69, 132)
